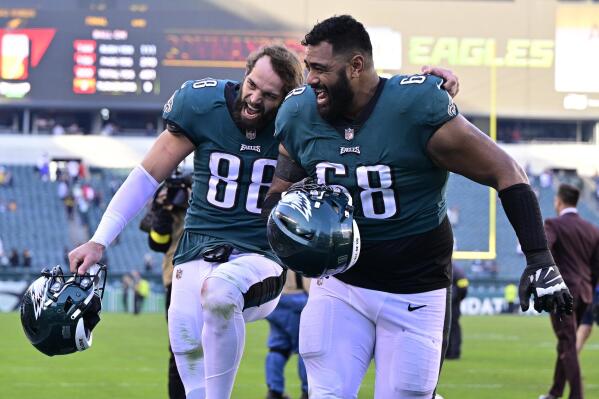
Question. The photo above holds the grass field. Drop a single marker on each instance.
(503, 357)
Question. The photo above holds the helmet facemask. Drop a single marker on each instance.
(312, 231)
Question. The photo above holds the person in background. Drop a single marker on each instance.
(127, 284)
(148, 263)
(510, 293)
(58, 130)
(27, 258)
(591, 315)
(574, 243)
(459, 290)
(283, 337)
(43, 166)
(14, 258)
(3, 258)
(167, 216)
(5, 177)
(141, 289)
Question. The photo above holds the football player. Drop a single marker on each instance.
(391, 143)
(225, 274)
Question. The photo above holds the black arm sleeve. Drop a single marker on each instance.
(522, 210)
(270, 202)
(287, 169)
(173, 127)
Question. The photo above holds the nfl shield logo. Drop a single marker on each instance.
(250, 134)
(179, 273)
(349, 133)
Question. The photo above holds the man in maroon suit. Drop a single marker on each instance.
(574, 243)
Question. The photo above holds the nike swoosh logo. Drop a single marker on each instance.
(413, 308)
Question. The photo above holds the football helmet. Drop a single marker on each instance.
(59, 312)
(313, 232)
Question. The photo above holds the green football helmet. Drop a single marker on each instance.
(313, 232)
(59, 312)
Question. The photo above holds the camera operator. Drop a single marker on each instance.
(164, 223)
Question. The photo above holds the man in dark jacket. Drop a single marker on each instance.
(574, 243)
(459, 290)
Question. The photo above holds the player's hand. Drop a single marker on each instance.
(302, 184)
(450, 81)
(548, 289)
(85, 256)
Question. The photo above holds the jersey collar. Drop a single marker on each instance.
(349, 128)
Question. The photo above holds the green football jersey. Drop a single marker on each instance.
(381, 157)
(232, 171)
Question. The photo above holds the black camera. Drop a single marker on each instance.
(177, 190)
(176, 199)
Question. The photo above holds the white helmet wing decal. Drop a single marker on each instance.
(38, 292)
(299, 201)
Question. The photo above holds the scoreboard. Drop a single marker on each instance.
(82, 54)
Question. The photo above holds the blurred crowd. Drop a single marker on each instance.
(15, 258)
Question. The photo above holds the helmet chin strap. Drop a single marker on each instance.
(356, 245)
(82, 340)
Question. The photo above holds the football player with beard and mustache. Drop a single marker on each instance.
(225, 274)
(391, 144)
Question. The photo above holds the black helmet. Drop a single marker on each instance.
(313, 232)
(59, 312)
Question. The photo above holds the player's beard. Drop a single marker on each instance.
(341, 97)
(257, 123)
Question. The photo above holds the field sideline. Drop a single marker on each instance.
(503, 357)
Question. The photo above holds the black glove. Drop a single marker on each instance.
(547, 286)
(303, 184)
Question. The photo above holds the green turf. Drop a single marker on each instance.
(503, 357)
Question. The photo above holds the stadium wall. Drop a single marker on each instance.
(126, 152)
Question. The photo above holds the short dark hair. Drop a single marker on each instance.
(285, 64)
(343, 32)
(568, 194)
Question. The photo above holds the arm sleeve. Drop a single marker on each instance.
(128, 201)
(522, 210)
(288, 170)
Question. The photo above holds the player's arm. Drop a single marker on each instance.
(287, 172)
(460, 147)
(169, 149)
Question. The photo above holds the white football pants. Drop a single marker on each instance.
(343, 327)
(206, 320)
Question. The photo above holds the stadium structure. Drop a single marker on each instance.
(81, 102)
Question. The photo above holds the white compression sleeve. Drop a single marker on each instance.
(130, 198)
